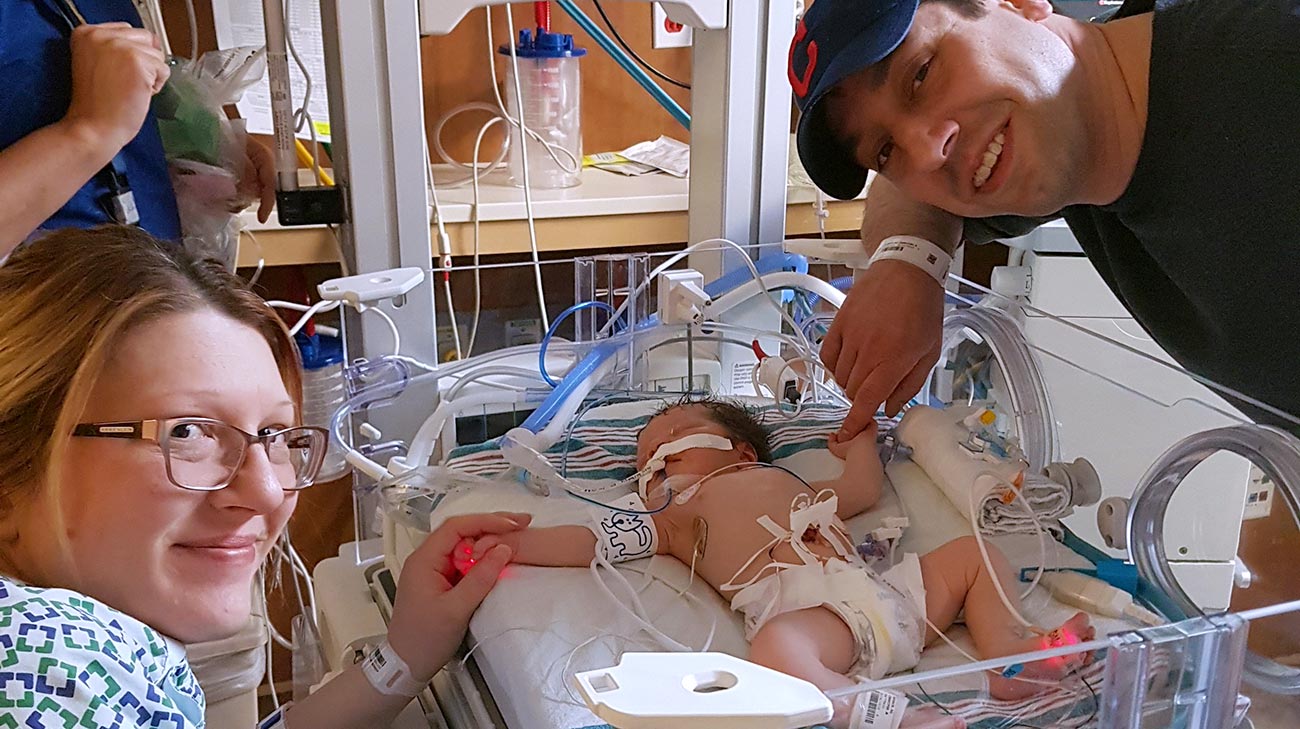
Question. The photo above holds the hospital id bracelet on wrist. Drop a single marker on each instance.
(917, 251)
(389, 674)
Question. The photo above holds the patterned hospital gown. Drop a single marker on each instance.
(68, 662)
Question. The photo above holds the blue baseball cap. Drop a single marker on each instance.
(834, 40)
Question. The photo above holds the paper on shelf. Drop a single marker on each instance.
(664, 153)
(239, 23)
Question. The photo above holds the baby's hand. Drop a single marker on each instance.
(485, 543)
(469, 551)
(862, 445)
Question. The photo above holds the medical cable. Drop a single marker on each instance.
(637, 610)
(477, 215)
(302, 115)
(555, 325)
(569, 164)
(502, 371)
(749, 264)
(192, 21)
(473, 165)
(444, 246)
(988, 561)
(528, 187)
(451, 316)
(261, 257)
(310, 311)
(325, 305)
(573, 424)
(645, 64)
(422, 442)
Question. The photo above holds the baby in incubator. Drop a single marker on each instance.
(777, 548)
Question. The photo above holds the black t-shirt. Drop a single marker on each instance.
(1204, 245)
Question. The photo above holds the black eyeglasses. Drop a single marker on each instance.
(203, 454)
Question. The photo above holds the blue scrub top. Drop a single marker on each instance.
(35, 90)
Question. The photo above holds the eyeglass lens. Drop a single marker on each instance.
(204, 454)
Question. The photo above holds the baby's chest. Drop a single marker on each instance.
(726, 535)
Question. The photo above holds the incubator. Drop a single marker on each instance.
(1026, 422)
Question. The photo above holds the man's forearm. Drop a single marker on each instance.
(40, 173)
(889, 212)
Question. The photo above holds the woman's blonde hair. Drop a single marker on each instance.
(66, 302)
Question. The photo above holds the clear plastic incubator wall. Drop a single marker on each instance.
(1115, 483)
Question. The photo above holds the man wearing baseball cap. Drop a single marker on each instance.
(1166, 138)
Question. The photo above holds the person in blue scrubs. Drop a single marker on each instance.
(75, 125)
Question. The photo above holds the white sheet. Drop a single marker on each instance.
(543, 624)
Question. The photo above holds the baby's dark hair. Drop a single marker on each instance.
(740, 422)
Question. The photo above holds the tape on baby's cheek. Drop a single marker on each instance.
(655, 464)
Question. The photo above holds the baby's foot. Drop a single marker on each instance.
(1036, 677)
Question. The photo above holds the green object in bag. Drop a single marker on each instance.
(190, 127)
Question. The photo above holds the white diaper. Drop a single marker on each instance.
(885, 612)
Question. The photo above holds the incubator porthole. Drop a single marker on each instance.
(986, 361)
(1156, 504)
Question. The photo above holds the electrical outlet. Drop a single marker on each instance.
(523, 331)
(667, 33)
(1259, 496)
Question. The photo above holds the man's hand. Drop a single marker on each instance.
(116, 70)
(855, 451)
(258, 180)
(884, 340)
(434, 600)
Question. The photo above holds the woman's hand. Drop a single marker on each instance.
(434, 600)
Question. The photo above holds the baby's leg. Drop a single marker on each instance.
(955, 576)
(814, 644)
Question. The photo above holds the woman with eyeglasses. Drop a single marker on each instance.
(151, 453)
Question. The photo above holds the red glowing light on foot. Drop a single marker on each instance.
(1059, 638)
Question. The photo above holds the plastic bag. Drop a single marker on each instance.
(207, 152)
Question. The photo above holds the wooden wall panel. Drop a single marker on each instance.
(616, 111)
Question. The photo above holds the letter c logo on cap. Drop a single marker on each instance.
(800, 83)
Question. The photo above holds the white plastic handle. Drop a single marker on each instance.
(367, 287)
(700, 691)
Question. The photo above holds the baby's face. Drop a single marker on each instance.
(679, 422)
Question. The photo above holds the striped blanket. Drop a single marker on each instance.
(601, 443)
